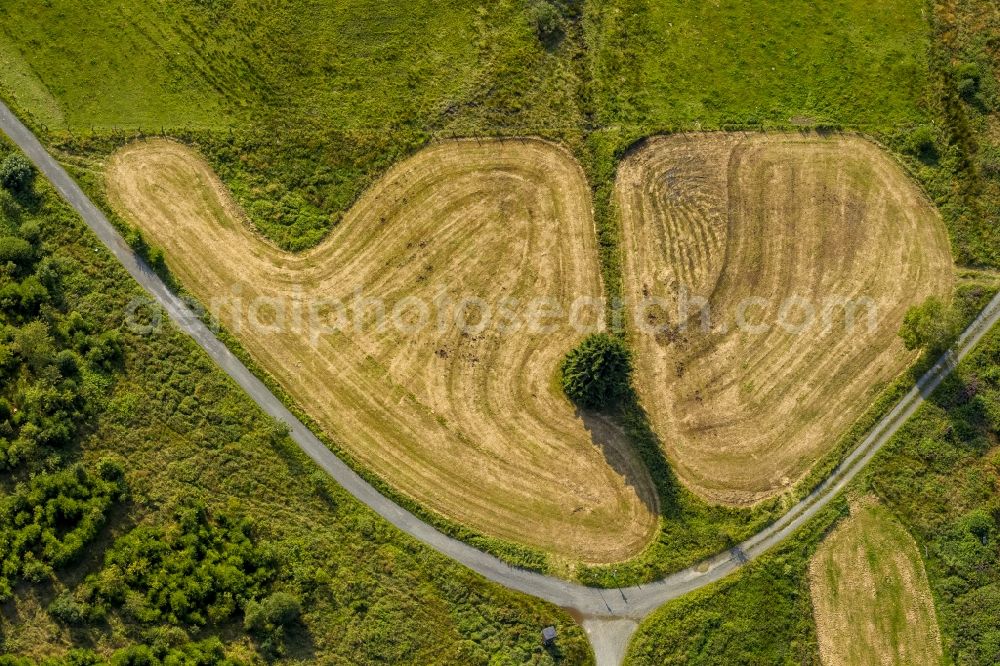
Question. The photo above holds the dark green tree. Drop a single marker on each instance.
(16, 173)
(596, 374)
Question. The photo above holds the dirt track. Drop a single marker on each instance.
(470, 425)
(742, 412)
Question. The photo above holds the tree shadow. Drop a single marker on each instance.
(299, 644)
(555, 651)
(824, 130)
(28, 199)
(620, 454)
(642, 464)
(290, 643)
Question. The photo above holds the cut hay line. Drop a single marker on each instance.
(471, 426)
(728, 217)
(871, 598)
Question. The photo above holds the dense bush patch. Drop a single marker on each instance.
(49, 521)
(195, 570)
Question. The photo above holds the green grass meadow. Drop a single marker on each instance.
(707, 65)
(301, 104)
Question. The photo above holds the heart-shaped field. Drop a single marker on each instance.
(466, 419)
(406, 335)
(770, 232)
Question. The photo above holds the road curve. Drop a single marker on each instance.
(633, 602)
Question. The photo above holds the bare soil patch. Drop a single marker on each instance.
(764, 229)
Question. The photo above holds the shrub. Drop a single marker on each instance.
(596, 374)
(68, 363)
(31, 293)
(50, 520)
(932, 325)
(16, 173)
(31, 231)
(546, 21)
(196, 570)
(106, 350)
(110, 469)
(920, 143)
(9, 208)
(278, 610)
(210, 651)
(34, 344)
(16, 251)
(989, 161)
(68, 610)
(967, 79)
(35, 570)
(268, 619)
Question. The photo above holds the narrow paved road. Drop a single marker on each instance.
(606, 613)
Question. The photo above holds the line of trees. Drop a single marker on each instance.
(56, 508)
